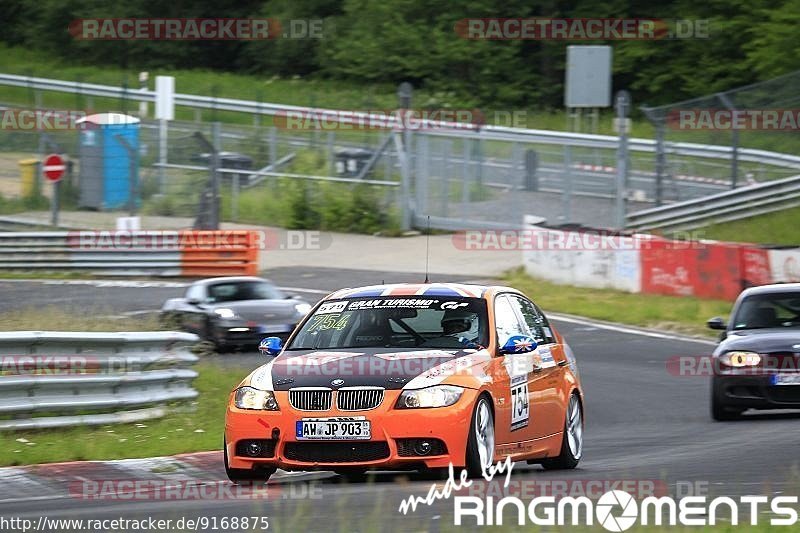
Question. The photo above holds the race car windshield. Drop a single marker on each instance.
(771, 310)
(243, 290)
(405, 322)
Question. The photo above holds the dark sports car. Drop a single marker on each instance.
(757, 363)
(235, 311)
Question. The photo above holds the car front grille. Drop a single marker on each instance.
(359, 398)
(311, 399)
(336, 452)
(347, 399)
(788, 394)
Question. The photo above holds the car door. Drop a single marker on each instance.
(546, 388)
(515, 378)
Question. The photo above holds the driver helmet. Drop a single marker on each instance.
(457, 321)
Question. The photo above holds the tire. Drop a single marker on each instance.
(719, 411)
(572, 441)
(219, 344)
(241, 476)
(481, 441)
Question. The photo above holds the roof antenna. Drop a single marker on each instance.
(427, 250)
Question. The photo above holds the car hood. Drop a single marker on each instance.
(387, 368)
(762, 340)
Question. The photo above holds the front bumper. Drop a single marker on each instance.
(755, 392)
(388, 448)
(242, 333)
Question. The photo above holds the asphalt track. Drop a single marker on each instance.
(642, 423)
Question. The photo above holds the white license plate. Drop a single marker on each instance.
(356, 428)
(786, 379)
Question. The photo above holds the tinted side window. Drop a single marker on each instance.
(534, 319)
(506, 322)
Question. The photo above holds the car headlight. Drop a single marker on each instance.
(251, 398)
(437, 396)
(739, 359)
(224, 312)
(302, 308)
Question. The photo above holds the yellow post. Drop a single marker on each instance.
(29, 172)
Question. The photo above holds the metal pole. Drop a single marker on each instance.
(567, 198)
(217, 145)
(404, 93)
(162, 154)
(235, 198)
(734, 142)
(55, 203)
(622, 104)
(661, 163)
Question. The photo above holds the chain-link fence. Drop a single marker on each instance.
(738, 118)
(354, 178)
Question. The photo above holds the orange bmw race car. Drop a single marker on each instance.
(405, 376)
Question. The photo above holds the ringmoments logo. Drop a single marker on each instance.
(615, 510)
(618, 510)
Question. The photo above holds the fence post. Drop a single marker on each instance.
(734, 141)
(622, 104)
(661, 163)
(162, 154)
(215, 165)
(567, 198)
(404, 93)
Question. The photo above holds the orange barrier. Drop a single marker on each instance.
(219, 253)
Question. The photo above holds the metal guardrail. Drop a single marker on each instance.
(132, 253)
(59, 379)
(466, 130)
(737, 204)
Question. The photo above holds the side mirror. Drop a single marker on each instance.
(193, 301)
(519, 344)
(270, 346)
(716, 323)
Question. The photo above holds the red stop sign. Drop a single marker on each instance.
(54, 167)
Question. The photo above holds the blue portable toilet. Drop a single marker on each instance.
(107, 174)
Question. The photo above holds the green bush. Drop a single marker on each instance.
(297, 203)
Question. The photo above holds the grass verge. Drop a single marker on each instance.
(779, 227)
(188, 428)
(674, 313)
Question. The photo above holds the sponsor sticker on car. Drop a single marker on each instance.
(351, 428)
